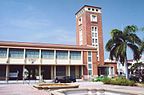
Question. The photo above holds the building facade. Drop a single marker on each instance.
(51, 60)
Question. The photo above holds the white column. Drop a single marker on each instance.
(52, 72)
(40, 76)
(24, 56)
(7, 72)
(113, 72)
(118, 67)
(40, 60)
(23, 73)
(82, 63)
(68, 70)
(68, 57)
(76, 71)
(55, 57)
(7, 56)
(110, 74)
(82, 57)
(7, 66)
(82, 70)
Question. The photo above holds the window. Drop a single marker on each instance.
(92, 40)
(80, 21)
(92, 34)
(97, 10)
(32, 53)
(90, 72)
(75, 55)
(3, 52)
(95, 34)
(94, 18)
(95, 40)
(89, 53)
(90, 62)
(89, 59)
(16, 53)
(48, 54)
(92, 9)
(92, 28)
(94, 31)
(95, 28)
(62, 54)
(90, 66)
(89, 9)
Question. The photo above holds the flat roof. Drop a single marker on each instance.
(44, 45)
(87, 6)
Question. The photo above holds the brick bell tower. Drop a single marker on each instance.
(89, 30)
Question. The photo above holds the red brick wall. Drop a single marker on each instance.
(94, 63)
(114, 65)
(87, 39)
(85, 69)
(86, 28)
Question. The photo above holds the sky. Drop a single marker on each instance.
(53, 21)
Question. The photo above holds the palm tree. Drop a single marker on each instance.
(119, 43)
(142, 47)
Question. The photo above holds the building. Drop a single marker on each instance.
(51, 60)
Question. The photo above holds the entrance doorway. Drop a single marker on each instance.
(46, 71)
(60, 70)
(104, 71)
(16, 69)
(2, 72)
(72, 71)
(33, 71)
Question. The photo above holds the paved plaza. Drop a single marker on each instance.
(28, 89)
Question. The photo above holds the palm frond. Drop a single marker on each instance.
(133, 38)
(142, 47)
(115, 33)
(109, 45)
(130, 28)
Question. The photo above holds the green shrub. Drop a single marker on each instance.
(106, 80)
(118, 81)
(98, 79)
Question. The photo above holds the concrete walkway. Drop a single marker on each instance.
(20, 89)
(28, 89)
(98, 85)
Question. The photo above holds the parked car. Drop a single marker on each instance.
(64, 79)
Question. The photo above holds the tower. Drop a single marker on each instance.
(89, 29)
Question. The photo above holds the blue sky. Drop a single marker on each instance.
(53, 21)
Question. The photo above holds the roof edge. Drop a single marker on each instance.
(87, 6)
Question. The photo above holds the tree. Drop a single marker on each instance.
(120, 41)
(142, 47)
(137, 71)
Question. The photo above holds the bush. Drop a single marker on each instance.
(122, 81)
(100, 78)
(137, 78)
(106, 80)
(118, 81)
